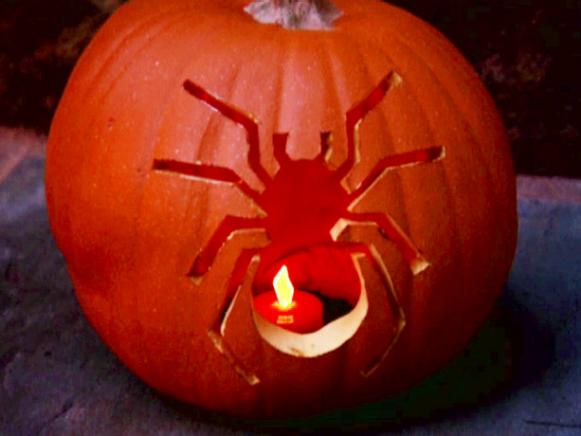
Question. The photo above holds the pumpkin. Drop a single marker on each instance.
(361, 149)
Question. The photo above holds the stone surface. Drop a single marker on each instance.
(521, 375)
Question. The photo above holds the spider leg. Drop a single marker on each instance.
(245, 120)
(355, 116)
(218, 329)
(371, 253)
(391, 230)
(279, 141)
(223, 233)
(326, 138)
(410, 158)
(205, 172)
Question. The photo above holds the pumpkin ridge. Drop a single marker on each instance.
(470, 76)
(463, 118)
(102, 97)
(126, 40)
(390, 143)
(153, 149)
(113, 338)
(333, 93)
(277, 98)
(218, 123)
(153, 372)
(213, 129)
(452, 101)
(74, 82)
(493, 216)
(85, 164)
(404, 190)
(286, 77)
(341, 97)
(119, 74)
(443, 180)
(390, 149)
(233, 88)
(81, 164)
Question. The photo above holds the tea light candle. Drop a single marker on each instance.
(297, 311)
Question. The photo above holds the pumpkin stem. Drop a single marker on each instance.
(295, 14)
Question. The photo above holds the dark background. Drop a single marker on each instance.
(528, 53)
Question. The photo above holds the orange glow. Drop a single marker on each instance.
(284, 289)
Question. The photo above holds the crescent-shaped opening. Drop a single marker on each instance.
(324, 340)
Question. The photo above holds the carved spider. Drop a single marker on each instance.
(305, 202)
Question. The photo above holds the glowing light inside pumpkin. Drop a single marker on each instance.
(284, 289)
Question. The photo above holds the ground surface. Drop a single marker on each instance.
(520, 376)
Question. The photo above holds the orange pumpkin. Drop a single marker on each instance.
(185, 112)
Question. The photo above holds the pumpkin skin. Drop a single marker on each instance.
(129, 234)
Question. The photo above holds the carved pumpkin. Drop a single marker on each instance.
(196, 150)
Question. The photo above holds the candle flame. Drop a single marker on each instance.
(284, 288)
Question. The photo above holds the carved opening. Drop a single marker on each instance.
(306, 207)
(342, 293)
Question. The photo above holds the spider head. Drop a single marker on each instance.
(303, 202)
